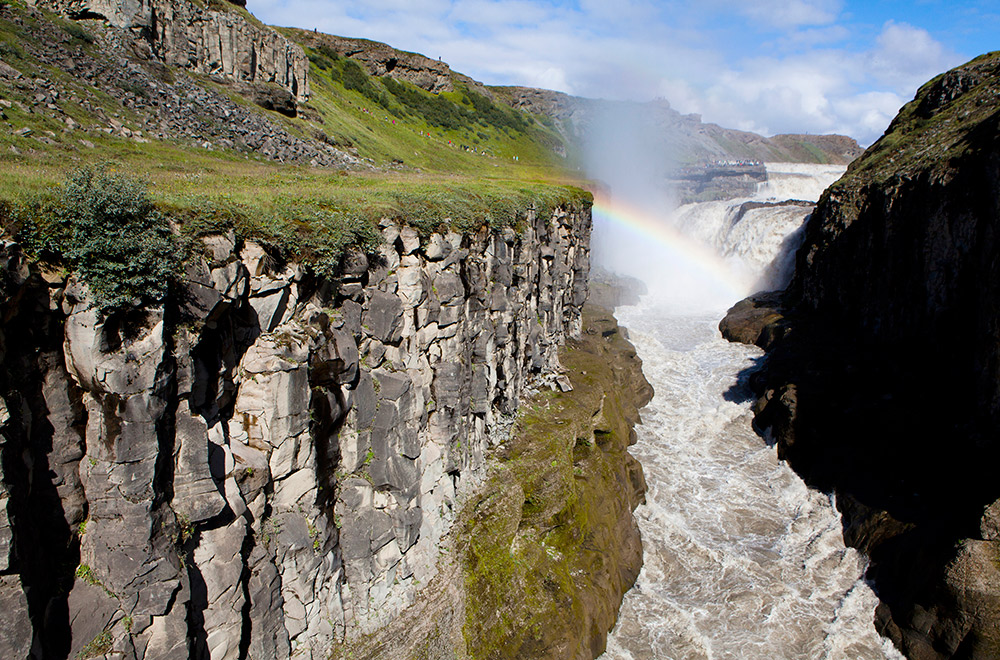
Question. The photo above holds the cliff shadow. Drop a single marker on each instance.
(44, 442)
(743, 389)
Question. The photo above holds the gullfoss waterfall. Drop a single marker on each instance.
(741, 558)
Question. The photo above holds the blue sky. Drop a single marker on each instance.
(771, 66)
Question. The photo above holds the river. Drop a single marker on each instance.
(741, 558)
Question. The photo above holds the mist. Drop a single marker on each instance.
(628, 152)
(699, 256)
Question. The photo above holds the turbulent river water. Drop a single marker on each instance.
(741, 559)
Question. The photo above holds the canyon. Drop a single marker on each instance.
(381, 407)
(267, 462)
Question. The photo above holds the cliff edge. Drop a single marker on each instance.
(220, 38)
(263, 461)
(882, 380)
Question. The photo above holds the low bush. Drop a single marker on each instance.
(78, 33)
(106, 227)
(436, 110)
(489, 113)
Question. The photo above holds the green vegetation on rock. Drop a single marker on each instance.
(933, 129)
(549, 554)
(108, 230)
(402, 150)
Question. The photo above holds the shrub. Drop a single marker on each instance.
(328, 52)
(489, 113)
(436, 110)
(9, 51)
(78, 33)
(353, 77)
(319, 61)
(119, 244)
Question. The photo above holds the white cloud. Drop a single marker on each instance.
(789, 13)
(905, 56)
(492, 14)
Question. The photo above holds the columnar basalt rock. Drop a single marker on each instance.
(214, 41)
(266, 463)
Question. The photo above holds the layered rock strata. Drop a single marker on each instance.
(882, 381)
(266, 463)
(225, 41)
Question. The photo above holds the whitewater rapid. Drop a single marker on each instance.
(741, 558)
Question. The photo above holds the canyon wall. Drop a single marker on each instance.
(224, 40)
(882, 381)
(265, 464)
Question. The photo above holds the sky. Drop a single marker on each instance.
(768, 66)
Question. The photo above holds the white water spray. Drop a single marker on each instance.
(741, 559)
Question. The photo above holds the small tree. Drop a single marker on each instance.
(120, 245)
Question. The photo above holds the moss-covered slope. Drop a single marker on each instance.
(551, 542)
(542, 555)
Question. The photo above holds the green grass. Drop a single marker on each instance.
(307, 213)
(414, 170)
(413, 128)
(418, 140)
(914, 141)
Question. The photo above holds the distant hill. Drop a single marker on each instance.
(205, 85)
(686, 139)
(689, 140)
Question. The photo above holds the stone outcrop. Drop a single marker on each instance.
(716, 182)
(882, 380)
(548, 554)
(383, 60)
(267, 463)
(543, 553)
(223, 40)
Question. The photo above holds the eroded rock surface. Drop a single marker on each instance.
(266, 464)
(207, 40)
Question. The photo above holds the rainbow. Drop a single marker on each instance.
(680, 250)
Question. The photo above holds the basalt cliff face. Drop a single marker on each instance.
(223, 40)
(267, 464)
(882, 380)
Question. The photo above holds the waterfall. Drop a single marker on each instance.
(741, 558)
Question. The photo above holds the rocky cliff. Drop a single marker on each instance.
(542, 554)
(882, 380)
(266, 464)
(382, 60)
(220, 38)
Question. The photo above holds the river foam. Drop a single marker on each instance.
(741, 558)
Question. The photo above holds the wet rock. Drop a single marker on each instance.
(758, 320)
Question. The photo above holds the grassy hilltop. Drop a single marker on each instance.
(219, 154)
